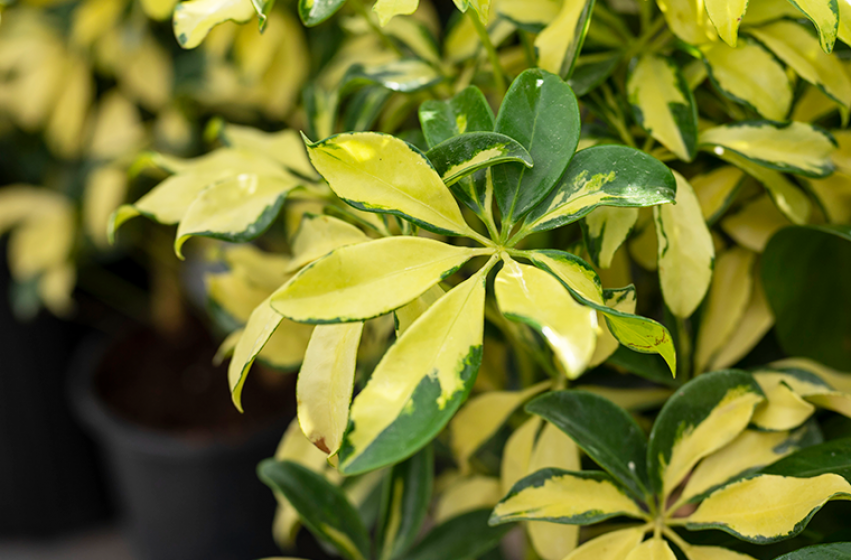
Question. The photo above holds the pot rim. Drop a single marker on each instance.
(111, 429)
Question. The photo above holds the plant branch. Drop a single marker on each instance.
(498, 75)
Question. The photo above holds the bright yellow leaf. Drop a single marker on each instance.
(325, 384)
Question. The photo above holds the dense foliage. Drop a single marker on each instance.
(514, 260)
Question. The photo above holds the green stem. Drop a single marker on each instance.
(676, 539)
(528, 49)
(498, 76)
(684, 349)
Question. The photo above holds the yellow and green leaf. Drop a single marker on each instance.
(663, 104)
(701, 418)
(285, 147)
(325, 384)
(752, 449)
(194, 19)
(788, 197)
(361, 281)
(825, 16)
(408, 75)
(405, 316)
(530, 295)
(615, 545)
(726, 17)
(559, 43)
(419, 383)
(380, 173)
(637, 333)
(754, 324)
(479, 419)
(236, 210)
(753, 224)
(569, 497)
(319, 235)
(728, 298)
(652, 549)
(605, 229)
(768, 508)
(603, 175)
(796, 47)
(716, 190)
(685, 251)
(768, 91)
(314, 12)
(789, 147)
(462, 155)
(258, 330)
(388, 9)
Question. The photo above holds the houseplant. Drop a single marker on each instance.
(687, 166)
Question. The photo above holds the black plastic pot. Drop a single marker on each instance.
(180, 499)
(48, 478)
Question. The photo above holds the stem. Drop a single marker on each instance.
(646, 35)
(646, 13)
(676, 539)
(528, 49)
(684, 349)
(498, 76)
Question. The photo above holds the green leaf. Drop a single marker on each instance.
(767, 92)
(468, 111)
(323, 507)
(193, 20)
(603, 175)
(419, 383)
(529, 295)
(465, 536)
(361, 281)
(605, 431)
(541, 112)
(832, 551)
(703, 416)
(364, 108)
(561, 496)
(405, 501)
(648, 366)
(806, 272)
(591, 71)
(829, 457)
(236, 210)
(379, 173)
(790, 147)
(663, 104)
(407, 75)
(462, 155)
(314, 12)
